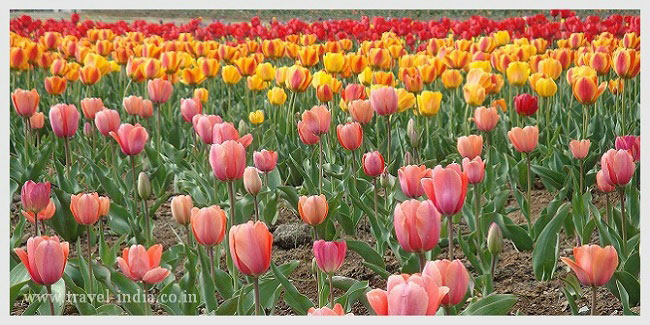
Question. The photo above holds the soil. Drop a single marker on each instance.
(514, 273)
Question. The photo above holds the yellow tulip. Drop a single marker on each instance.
(502, 37)
(550, 67)
(429, 102)
(405, 99)
(265, 71)
(481, 64)
(256, 117)
(201, 94)
(365, 77)
(334, 62)
(517, 73)
(451, 78)
(545, 87)
(256, 83)
(474, 94)
(276, 96)
(230, 74)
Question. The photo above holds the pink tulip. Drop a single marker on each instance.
(107, 121)
(190, 107)
(147, 109)
(181, 207)
(25, 101)
(64, 120)
(593, 265)
(579, 148)
(410, 177)
(470, 146)
(45, 259)
(44, 214)
(326, 311)
(486, 118)
(306, 135)
(447, 188)
(630, 143)
(329, 255)
(140, 264)
(475, 169)
(417, 225)
(222, 132)
(91, 106)
(361, 111)
(373, 163)
(317, 119)
(384, 100)
(313, 209)
(35, 196)
(131, 138)
(407, 295)
(350, 135)
(86, 208)
(208, 225)
(88, 129)
(618, 166)
(265, 160)
(203, 125)
(160, 90)
(452, 275)
(228, 160)
(252, 180)
(524, 140)
(133, 105)
(603, 183)
(250, 247)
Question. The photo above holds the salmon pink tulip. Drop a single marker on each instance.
(140, 264)
(384, 100)
(131, 138)
(452, 275)
(265, 160)
(222, 132)
(579, 148)
(64, 120)
(486, 118)
(618, 167)
(190, 107)
(593, 265)
(524, 140)
(44, 214)
(373, 163)
(417, 225)
(159, 90)
(86, 208)
(361, 111)
(350, 135)
(470, 146)
(329, 255)
(208, 225)
(410, 177)
(181, 206)
(25, 101)
(313, 209)
(252, 180)
(45, 258)
(447, 188)
(407, 295)
(630, 143)
(91, 106)
(107, 121)
(35, 196)
(326, 311)
(250, 247)
(203, 125)
(475, 169)
(228, 160)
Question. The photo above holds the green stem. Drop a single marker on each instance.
(593, 300)
(450, 238)
(320, 166)
(256, 287)
(90, 262)
(528, 200)
(49, 294)
(477, 213)
(331, 291)
(231, 196)
(621, 193)
(257, 208)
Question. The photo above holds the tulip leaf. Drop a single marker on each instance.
(83, 306)
(206, 284)
(545, 253)
(496, 304)
(18, 278)
(297, 301)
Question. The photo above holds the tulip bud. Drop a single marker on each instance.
(494, 239)
(314, 266)
(412, 133)
(242, 128)
(88, 129)
(144, 185)
(408, 158)
(252, 181)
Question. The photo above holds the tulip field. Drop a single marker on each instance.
(363, 166)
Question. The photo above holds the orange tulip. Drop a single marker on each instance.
(25, 101)
(587, 90)
(208, 225)
(361, 111)
(524, 140)
(486, 118)
(86, 208)
(626, 63)
(593, 265)
(313, 209)
(250, 247)
(55, 85)
(298, 78)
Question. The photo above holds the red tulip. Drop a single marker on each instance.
(64, 120)
(228, 160)
(475, 169)
(630, 143)
(593, 265)
(159, 90)
(91, 106)
(407, 295)
(131, 138)
(44, 259)
(470, 146)
(265, 160)
(25, 101)
(618, 167)
(579, 148)
(35, 196)
(417, 225)
(384, 100)
(410, 177)
(140, 264)
(329, 255)
(250, 247)
(452, 275)
(373, 163)
(107, 121)
(447, 188)
(524, 140)
(313, 209)
(190, 107)
(350, 135)
(526, 104)
(208, 225)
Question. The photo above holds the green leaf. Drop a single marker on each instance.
(127, 287)
(497, 304)
(18, 278)
(206, 285)
(298, 302)
(545, 253)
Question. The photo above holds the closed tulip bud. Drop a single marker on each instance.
(181, 207)
(144, 185)
(361, 111)
(250, 247)
(373, 163)
(524, 140)
(413, 135)
(407, 295)
(429, 102)
(475, 169)
(88, 129)
(618, 166)
(408, 158)
(140, 264)
(384, 101)
(313, 209)
(470, 146)
(450, 274)
(131, 138)
(330, 255)
(276, 96)
(64, 120)
(37, 121)
(579, 148)
(86, 208)
(159, 90)
(45, 259)
(208, 225)
(256, 117)
(494, 239)
(265, 160)
(410, 177)
(252, 181)
(107, 121)
(526, 104)
(350, 135)
(593, 265)
(417, 225)
(25, 101)
(35, 196)
(630, 143)
(447, 188)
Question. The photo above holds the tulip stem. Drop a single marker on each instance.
(187, 232)
(621, 194)
(450, 238)
(159, 129)
(320, 166)
(388, 142)
(66, 147)
(331, 290)
(581, 175)
(49, 294)
(211, 256)
(528, 185)
(256, 287)
(477, 213)
(257, 208)
(607, 208)
(593, 300)
(26, 139)
(90, 265)
(493, 267)
(423, 260)
(229, 223)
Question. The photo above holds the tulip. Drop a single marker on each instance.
(25, 101)
(618, 167)
(450, 274)
(252, 181)
(525, 104)
(159, 90)
(35, 196)
(324, 93)
(55, 85)
(313, 209)
(550, 67)
(329, 255)
(384, 100)
(350, 135)
(256, 117)
(181, 206)
(486, 118)
(616, 86)
(230, 74)
(413, 135)
(91, 106)
(410, 177)
(361, 111)
(579, 148)
(90, 75)
(626, 63)
(317, 119)
(587, 90)
(475, 169)
(470, 146)
(144, 185)
(407, 295)
(44, 214)
(203, 126)
(37, 121)
(131, 138)
(474, 94)
(222, 132)
(265, 160)
(517, 73)
(326, 311)
(140, 264)
(373, 163)
(351, 93)
(276, 96)
(107, 121)
(228, 160)
(630, 143)
(208, 225)
(64, 120)
(202, 94)
(306, 135)
(524, 140)
(451, 78)
(190, 107)
(494, 240)
(594, 266)
(417, 226)
(86, 208)
(265, 71)
(545, 87)
(298, 78)
(429, 102)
